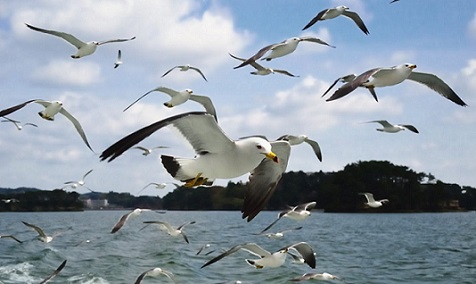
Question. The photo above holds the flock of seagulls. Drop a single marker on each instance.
(217, 156)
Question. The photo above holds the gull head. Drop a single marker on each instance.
(409, 66)
(342, 8)
(189, 91)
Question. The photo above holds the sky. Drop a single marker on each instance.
(438, 36)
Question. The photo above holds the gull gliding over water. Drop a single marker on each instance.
(180, 97)
(155, 272)
(41, 234)
(171, 230)
(122, 221)
(268, 259)
(260, 70)
(51, 109)
(298, 213)
(186, 68)
(316, 276)
(332, 13)
(383, 77)
(84, 48)
(217, 157)
(393, 128)
(281, 49)
(372, 202)
(279, 235)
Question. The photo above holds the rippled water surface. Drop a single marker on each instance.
(359, 248)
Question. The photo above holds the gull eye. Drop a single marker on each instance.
(259, 146)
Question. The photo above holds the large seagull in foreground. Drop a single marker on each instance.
(84, 48)
(383, 77)
(217, 157)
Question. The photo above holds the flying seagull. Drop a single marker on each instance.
(169, 229)
(217, 157)
(17, 123)
(332, 13)
(186, 68)
(180, 97)
(78, 183)
(316, 276)
(56, 272)
(383, 77)
(11, 237)
(296, 140)
(125, 217)
(393, 128)
(371, 201)
(155, 272)
(268, 259)
(148, 151)
(260, 70)
(203, 248)
(279, 235)
(298, 213)
(51, 109)
(161, 185)
(41, 234)
(118, 60)
(84, 48)
(281, 49)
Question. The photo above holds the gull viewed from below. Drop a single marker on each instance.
(186, 68)
(84, 48)
(268, 259)
(383, 77)
(154, 272)
(122, 221)
(51, 109)
(332, 13)
(217, 157)
(393, 128)
(118, 60)
(263, 71)
(180, 97)
(78, 183)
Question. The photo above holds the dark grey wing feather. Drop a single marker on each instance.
(156, 89)
(170, 70)
(264, 179)
(315, 19)
(257, 56)
(78, 127)
(226, 253)
(58, 270)
(436, 84)
(9, 110)
(307, 253)
(410, 127)
(356, 18)
(352, 85)
(141, 276)
(270, 225)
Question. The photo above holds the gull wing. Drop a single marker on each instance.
(258, 55)
(369, 196)
(306, 206)
(272, 224)
(306, 251)
(315, 147)
(384, 123)
(183, 225)
(36, 228)
(352, 85)
(199, 71)
(77, 125)
(200, 129)
(264, 179)
(9, 110)
(115, 40)
(168, 91)
(410, 127)
(283, 72)
(316, 40)
(11, 237)
(436, 84)
(86, 174)
(121, 222)
(67, 37)
(314, 20)
(56, 272)
(155, 271)
(163, 224)
(345, 79)
(356, 18)
(249, 247)
(206, 102)
(170, 70)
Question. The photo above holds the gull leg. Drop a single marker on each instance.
(195, 181)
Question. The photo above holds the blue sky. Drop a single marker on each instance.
(438, 36)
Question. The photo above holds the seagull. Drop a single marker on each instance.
(268, 259)
(281, 49)
(169, 229)
(10, 200)
(118, 60)
(332, 13)
(41, 235)
(11, 237)
(218, 157)
(148, 151)
(316, 276)
(84, 48)
(371, 201)
(186, 68)
(179, 97)
(51, 109)
(125, 217)
(296, 140)
(279, 235)
(383, 77)
(203, 248)
(394, 128)
(17, 123)
(161, 185)
(298, 213)
(260, 70)
(155, 272)
(79, 183)
(56, 272)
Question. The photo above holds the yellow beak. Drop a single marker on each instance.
(272, 156)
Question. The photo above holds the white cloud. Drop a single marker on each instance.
(472, 27)
(65, 72)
